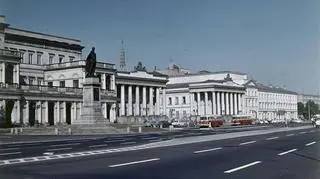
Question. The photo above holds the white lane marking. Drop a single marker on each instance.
(126, 143)
(271, 138)
(102, 145)
(242, 167)
(111, 141)
(303, 132)
(250, 142)
(60, 145)
(10, 153)
(17, 148)
(67, 148)
(207, 150)
(286, 152)
(135, 162)
(290, 135)
(311, 143)
(48, 153)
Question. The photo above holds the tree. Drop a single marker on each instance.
(304, 109)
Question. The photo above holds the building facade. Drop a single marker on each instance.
(304, 98)
(42, 75)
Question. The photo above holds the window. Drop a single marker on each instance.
(184, 100)
(51, 58)
(62, 84)
(177, 101)
(177, 114)
(184, 113)
(39, 58)
(31, 81)
(39, 82)
(71, 58)
(50, 83)
(76, 83)
(60, 58)
(170, 101)
(30, 58)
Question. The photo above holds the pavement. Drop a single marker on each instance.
(265, 153)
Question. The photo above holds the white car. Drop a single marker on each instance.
(317, 123)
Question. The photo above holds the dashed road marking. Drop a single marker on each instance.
(127, 143)
(57, 149)
(60, 145)
(290, 135)
(286, 152)
(10, 153)
(272, 138)
(135, 162)
(246, 143)
(101, 145)
(17, 148)
(207, 150)
(48, 153)
(303, 132)
(242, 167)
(311, 143)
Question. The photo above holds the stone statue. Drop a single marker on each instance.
(139, 67)
(91, 63)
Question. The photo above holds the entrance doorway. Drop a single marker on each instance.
(9, 73)
(51, 113)
(32, 113)
(8, 112)
(68, 113)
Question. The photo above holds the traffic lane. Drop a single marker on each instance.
(303, 163)
(16, 152)
(116, 142)
(227, 157)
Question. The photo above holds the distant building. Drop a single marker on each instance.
(306, 97)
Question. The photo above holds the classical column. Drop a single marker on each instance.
(236, 112)
(144, 101)
(18, 74)
(113, 112)
(137, 108)
(157, 101)
(150, 101)
(112, 82)
(223, 108)
(3, 72)
(239, 102)
(129, 100)
(26, 119)
(58, 117)
(198, 103)
(191, 103)
(18, 114)
(64, 111)
(40, 112)
(227, 104)
(164, 101)
(104, 108)
(231, 104)
(206, 104)
(218, 103)
(122, 102)
(103, 81)
(214, 108)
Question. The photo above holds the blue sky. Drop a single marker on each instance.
(274, 41)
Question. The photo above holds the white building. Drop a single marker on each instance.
(232, 92)
(304, 98)
(41, 78)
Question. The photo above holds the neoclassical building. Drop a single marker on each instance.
(41, 78)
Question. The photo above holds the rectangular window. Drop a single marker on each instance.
(170, 101)
(51, 58)
(60, 58)
(39, 82)
(39, 58)
(177, 114)
(62, 84)
(30, 58)
(71, 58)
(76, 83)
(184, 113)
(96, 94)
(177, 101)
(31, 81)
(184, 100)
(50, 83)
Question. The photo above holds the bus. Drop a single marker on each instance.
(240, 120)
(210, 121)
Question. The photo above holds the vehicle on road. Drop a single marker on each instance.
(317, 123)
(241, 120)
(210, 122)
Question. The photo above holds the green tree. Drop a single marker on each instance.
(313, 107)
(301, 108)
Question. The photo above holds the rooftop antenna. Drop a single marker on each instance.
(122, 57)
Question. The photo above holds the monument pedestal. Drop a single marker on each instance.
(91, 113)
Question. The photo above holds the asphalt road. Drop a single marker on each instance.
(294, 155)
(65, 144)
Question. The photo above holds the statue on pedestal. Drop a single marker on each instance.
(91, 64)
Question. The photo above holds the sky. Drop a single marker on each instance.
(274, 42)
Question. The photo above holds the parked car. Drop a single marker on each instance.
(317, 123)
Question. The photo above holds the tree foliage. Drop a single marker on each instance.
(303, 109)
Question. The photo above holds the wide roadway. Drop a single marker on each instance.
(293, 155)
(63, 144)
